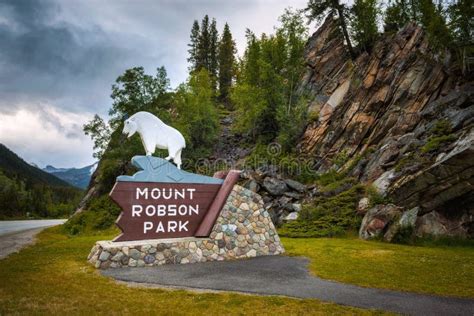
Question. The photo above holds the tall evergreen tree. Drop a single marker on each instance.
(204, 43)
(264, 93)
(431, 17)
(318, 9)
(193, 46)
(461, 15)
(213, 54)
(397, 15)
(226, 64)
(251, 71)
(364, 24)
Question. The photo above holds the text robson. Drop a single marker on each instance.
(165, 210)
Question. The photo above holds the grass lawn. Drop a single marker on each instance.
(438, 270)
(53, 277)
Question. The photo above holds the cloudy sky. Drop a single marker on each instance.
(58, 60)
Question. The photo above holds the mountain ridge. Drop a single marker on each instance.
(78, 177)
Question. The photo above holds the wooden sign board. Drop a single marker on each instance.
(161, 210)
(162, 201)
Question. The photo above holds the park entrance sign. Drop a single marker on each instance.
(162, 201)
(173, 216)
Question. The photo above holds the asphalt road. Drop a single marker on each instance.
(15, 235)
(288, 276)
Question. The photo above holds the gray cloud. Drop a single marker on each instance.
(65, 55)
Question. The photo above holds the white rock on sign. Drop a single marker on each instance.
(156, 134)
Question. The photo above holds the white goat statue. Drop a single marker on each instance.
(156, 134)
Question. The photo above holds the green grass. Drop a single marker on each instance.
(440, 270)
(53, 277)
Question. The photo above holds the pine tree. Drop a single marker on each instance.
(462, 27)
(251, 71)
(432, 19)
(461, 14)
(203, 45)
(193, 46)
(264, 95)
(213, 55)
(226, 64)
(364, 24)
(318, 9)
(396, 16)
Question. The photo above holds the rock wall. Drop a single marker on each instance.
(244, 229)
(401, 116)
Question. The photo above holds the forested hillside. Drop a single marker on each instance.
(378, 93)
(28, 191)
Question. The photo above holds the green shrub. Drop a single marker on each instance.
(100, 215)
(442, 127)
(441, 135)
(404, 236)
(327, 216)
(341, 158)
(333, 186)
(329, 177)
(313, 116)
(436, 142)
(375, 197)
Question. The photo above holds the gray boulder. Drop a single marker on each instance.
(436, 224)
(295, 185)
(274, 186)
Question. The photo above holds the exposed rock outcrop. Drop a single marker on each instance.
(405, 124)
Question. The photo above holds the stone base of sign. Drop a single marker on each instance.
(243, 229)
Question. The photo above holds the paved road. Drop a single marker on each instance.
(288, 276)
(14, 235)
(7, 227)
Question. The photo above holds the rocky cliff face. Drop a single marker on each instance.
(401, 122)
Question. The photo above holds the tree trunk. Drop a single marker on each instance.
(344, 31)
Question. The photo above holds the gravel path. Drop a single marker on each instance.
(288, 276)
(13, 242)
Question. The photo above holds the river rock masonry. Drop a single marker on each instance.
(243, 230)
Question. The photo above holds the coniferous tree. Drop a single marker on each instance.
(265, 97)
(364, 23)
(203, 45)
(193, 46)
(251, 57)
(396, 16)
(432, 19)
(213, 54)
(226, 64)
(197, 118)
(461, 15)
(318, 9)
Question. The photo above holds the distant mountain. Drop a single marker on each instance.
(14, 167)
(51, 169)
(79, 178)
